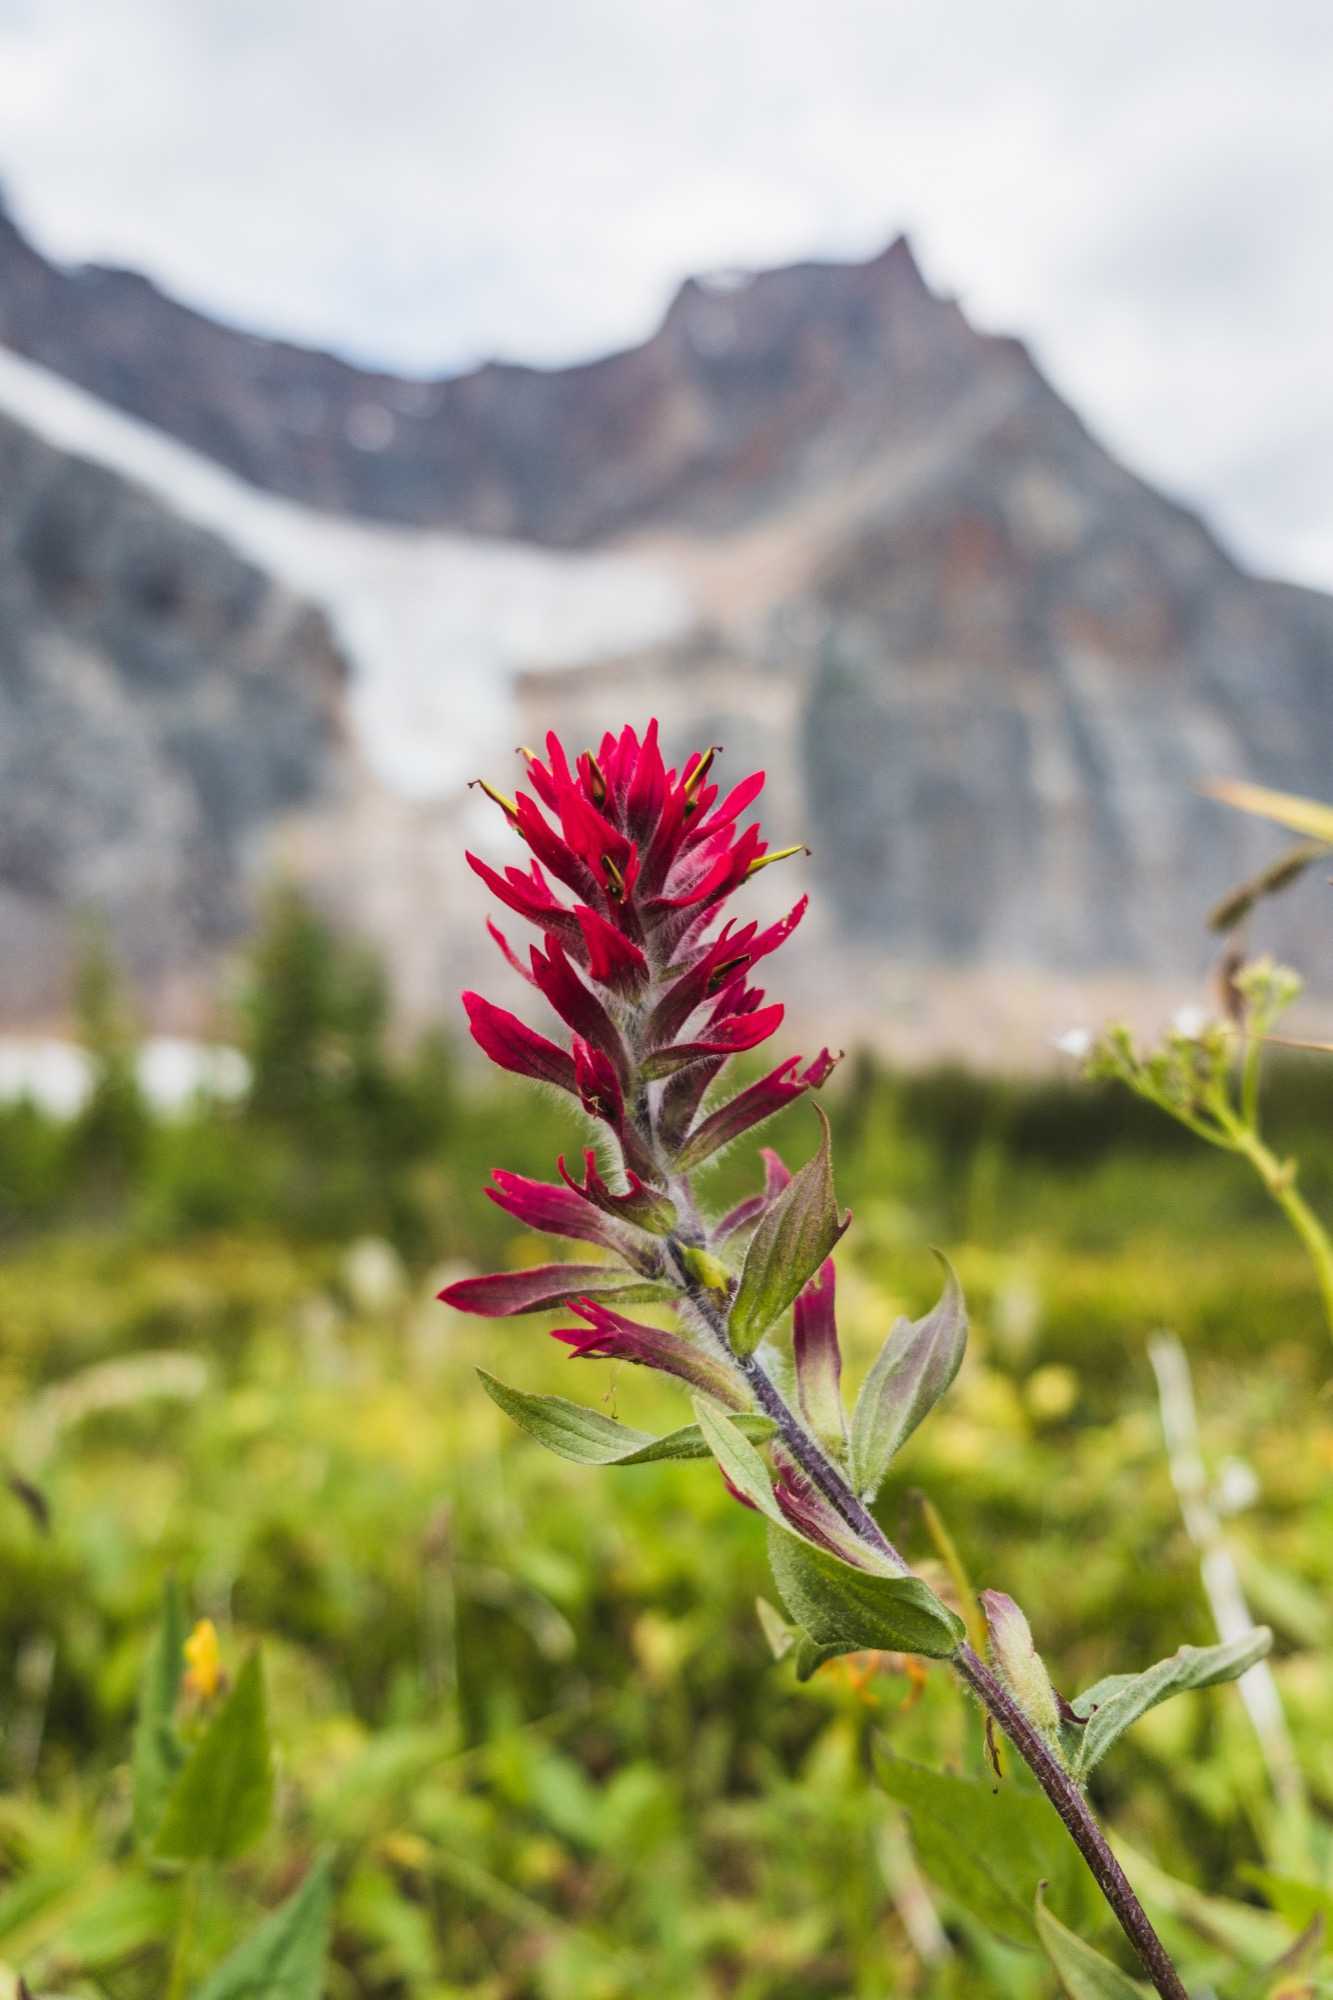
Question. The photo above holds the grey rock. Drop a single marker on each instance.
(163, 708)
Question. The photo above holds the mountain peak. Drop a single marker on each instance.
(707, 424)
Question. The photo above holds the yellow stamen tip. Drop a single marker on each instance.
(701, 770)
(501, 799)
(779, 854)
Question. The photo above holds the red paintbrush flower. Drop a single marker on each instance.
(630, 868)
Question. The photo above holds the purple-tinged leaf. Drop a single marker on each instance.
(819, 1360)
(915, 1366)
(611, 1337)
(792, 1239)
(816, 1519)
(502, 1294)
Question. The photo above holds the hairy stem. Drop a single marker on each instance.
(1062, 1791)
(817, 1467)
(1068, 1800)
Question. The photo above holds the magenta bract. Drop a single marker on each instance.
(630, 865)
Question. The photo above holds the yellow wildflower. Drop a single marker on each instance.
(203, 1661)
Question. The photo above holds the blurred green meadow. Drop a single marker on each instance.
(526, 1709)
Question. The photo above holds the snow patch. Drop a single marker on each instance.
(435, 625)
(173, 1073)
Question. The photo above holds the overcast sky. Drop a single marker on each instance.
(1143, 188)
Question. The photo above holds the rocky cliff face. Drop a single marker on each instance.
(164, 710)
(749, 392)
(986, 666)
(989, 676)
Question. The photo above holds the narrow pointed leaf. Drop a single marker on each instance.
(914, 1367)
(220, 1803)
(810, 1656)
(543, 1287)
(819, 1360)
(739, 1460)
(1308, 816)
(1110, 1707)
(1083, 1972)
(284, 1958)
(158, 1750)
(586, 1437)
(793, 1237)
(856, 1610)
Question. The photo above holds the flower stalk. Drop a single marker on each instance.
(653, 992)
(1063, 1792)
(1197, 1078)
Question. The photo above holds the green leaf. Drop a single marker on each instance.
(840, 1609)
(1113, 1704)
(915, 1366)
(220, 1803)
(284, 1958)
(739, 1460)
(988, 1847)
(794, 1236)
(1083, 1972)
(810, 1656)
(588, 1438)
(158, 1751)
(849, 1610)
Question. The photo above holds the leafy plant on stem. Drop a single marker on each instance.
(1209, 1079)
(202, 1797)
(631, 868)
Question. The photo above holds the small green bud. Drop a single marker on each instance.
(1020, 1664)
(708, 1269)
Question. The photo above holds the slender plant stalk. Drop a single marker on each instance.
(1068, 1800)
(1279, 1177)
(1062, 1791)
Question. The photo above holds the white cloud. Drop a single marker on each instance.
(1144, 192)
